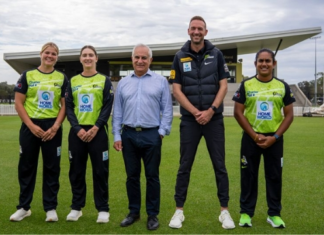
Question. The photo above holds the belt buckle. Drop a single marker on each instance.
(138, 128)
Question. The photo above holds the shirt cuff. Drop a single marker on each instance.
(162, 132)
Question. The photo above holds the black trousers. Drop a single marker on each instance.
(78, 155)
(190, 135)
(146, 145)
(250, 161)
(30, 146)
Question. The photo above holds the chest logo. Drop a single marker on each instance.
(187, 67)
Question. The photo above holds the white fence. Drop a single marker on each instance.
(8, 110)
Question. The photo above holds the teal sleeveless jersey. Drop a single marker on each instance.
(88, 99)
(263, 103)
(44, 91)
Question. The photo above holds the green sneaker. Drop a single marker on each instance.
(276, 221)
(245, 220)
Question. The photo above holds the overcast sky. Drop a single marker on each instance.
(25, 25)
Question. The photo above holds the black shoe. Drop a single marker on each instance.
(152, 222)
(129, 220)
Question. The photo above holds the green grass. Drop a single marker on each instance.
(302, 201)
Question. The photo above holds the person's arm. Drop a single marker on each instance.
(108, 99)
(243, 122)
(288, 119)
(117, 118)
(20, 98)
(19, 106)
(183, 100)
(166, 110)
(69, 109)
(205, 116)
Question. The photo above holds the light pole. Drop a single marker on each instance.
(321, 73)
(315, 94)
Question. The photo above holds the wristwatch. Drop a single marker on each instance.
(213, 108)
(276, 136)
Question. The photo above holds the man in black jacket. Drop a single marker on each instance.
(199, 78)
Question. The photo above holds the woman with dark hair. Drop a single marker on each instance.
(89, 102)
(40, 104)
(258, 104)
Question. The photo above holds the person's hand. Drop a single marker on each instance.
(37, 131)
(90, 134)
(203, 117)
(265, 141)
(118, 145)
(81, 134)
(49, 134)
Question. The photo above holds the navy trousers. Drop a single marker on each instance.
(146, 145)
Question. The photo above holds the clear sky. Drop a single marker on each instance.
(25, 25)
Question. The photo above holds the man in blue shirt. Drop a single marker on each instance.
(142, 117)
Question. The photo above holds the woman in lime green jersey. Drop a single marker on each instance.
(89, 100)
(40, 103)
(258, 105)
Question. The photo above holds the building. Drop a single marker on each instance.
(116, 61)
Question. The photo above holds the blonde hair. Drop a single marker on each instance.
(50, 44)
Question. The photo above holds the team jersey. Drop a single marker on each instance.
(263, 102)
(43, 92)
(89, 100)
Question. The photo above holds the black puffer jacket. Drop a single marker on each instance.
(200, 84)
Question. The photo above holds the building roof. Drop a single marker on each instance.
(245, 44)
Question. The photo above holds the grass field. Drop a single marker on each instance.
(303, 191)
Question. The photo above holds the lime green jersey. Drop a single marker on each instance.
(263, 102)
(43, 92)
(87, 93)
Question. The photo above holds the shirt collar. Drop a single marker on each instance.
(149, 73)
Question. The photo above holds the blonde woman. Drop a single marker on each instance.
(40, 104)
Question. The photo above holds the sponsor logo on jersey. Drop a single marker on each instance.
(277, 94)
(209, 57)
(19, 85)
(251, 93)
(57, 85)
(264, 110)
(172, 74)
(58, 151)
(187, 67)
(226, 68)
(96, 86)
(75, 88)
(45, 99)
(86, 102)
(33, 84)
(185, 59)
(105, 155)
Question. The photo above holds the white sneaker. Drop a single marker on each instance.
(20, 215)
(103, 217)
(51, 216)
(74, 215)
(177, 219)
(226, 220)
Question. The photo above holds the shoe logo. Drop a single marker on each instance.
(206, 63)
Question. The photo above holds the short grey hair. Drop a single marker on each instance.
(143, 45)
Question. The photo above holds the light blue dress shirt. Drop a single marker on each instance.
(142, 102)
